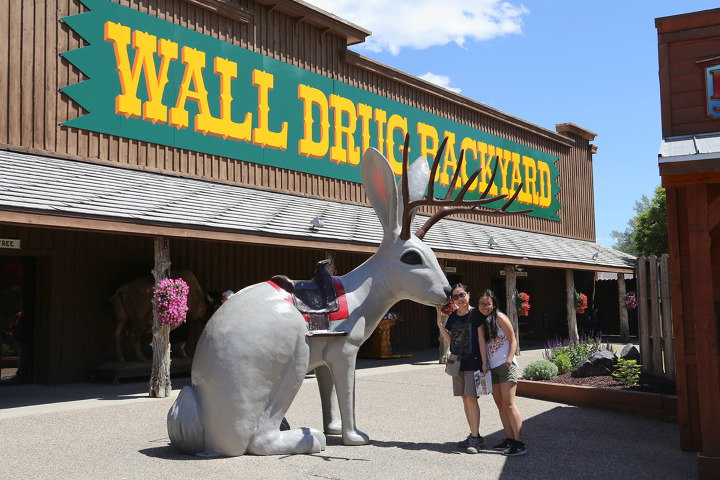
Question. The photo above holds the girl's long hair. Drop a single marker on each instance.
(491, 326)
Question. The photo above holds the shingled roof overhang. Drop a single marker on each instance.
(61, 193)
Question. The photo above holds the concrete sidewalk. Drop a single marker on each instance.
(109, 431)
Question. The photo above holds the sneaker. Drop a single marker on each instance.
(515, 449)
(505, 444)
(473, 445)
(464, 443)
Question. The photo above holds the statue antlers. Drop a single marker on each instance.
(448, 205)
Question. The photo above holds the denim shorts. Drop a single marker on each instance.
(464, 384)
(502, 374)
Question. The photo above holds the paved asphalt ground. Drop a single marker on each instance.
(105, 431)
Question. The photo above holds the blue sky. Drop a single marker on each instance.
(594, 64)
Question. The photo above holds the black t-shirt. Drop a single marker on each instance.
(471, 359)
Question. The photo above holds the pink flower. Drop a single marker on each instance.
(170, 301)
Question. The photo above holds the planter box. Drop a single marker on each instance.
(648, 405)
(9, 362)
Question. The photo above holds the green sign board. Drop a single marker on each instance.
(152, 80)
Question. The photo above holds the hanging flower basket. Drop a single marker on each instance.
(523, 304)
(448, 307)
(630, 301)
(170, 301)
(580, 302)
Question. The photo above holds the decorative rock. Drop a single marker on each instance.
(599, 363)
(629, 352)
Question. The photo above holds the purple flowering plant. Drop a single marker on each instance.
(170, 301)
(576, 349)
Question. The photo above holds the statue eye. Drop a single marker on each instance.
(411, 258)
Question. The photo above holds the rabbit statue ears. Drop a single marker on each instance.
(378, 179)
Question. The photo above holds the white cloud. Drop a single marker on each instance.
(440, 80)
(421, 24)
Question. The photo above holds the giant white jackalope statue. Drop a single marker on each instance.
(254, 352)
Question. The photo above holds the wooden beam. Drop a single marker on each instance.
(699, 285)
(681, 359)
(52, 221)
(643, 314)
(510, 301)
(714, 213)
(668, 341)
(224, 9)
(684, 180)
(570, 303)
(655, 329)
(55, 221)
(624, 324)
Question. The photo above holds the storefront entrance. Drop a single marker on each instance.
(17, 312)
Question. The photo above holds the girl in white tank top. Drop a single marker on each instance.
(501, 344)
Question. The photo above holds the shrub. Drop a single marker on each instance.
(576, 349)
(627, 371)
(540, 370)
(7, 351)
(562, 362)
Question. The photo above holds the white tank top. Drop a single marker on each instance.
(498, 349)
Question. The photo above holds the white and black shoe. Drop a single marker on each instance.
(515, 449)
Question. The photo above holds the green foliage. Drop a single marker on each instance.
(540, 370)
(576, 349)
(627, 371)
(646, 233)
(562, 362)
(7, 351)
(651, 231)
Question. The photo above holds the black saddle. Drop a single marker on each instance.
(315, 298)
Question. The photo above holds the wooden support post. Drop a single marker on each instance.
(570, 289)
(160, 385)
(624, 323)
(510, 301)
(689, 429)
(700, 293)
(643, 325)
(667, 324)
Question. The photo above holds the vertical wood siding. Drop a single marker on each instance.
(32, 72)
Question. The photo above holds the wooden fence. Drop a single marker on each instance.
(657, 349)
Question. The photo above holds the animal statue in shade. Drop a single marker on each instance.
(132, 306)
(255, 351)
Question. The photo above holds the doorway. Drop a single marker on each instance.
(17, 319)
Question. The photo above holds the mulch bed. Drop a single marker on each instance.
(647, 383)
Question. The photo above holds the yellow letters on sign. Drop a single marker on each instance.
(342, 106)
(145, 46)
(152, 60)
(262, 135)
(396, 122)
(194, 61)
(307, 145)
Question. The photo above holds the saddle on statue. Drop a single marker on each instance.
(314, 298)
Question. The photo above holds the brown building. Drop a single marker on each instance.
(689, 53)
(228, 127)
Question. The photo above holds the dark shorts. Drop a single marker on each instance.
(464, 384)
(502, 374)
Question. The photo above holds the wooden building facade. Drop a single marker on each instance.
(689, 54)
(68, 261)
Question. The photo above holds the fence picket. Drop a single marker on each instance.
(655, 316)
(642, 300)
(654, 320)
(668, 340)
